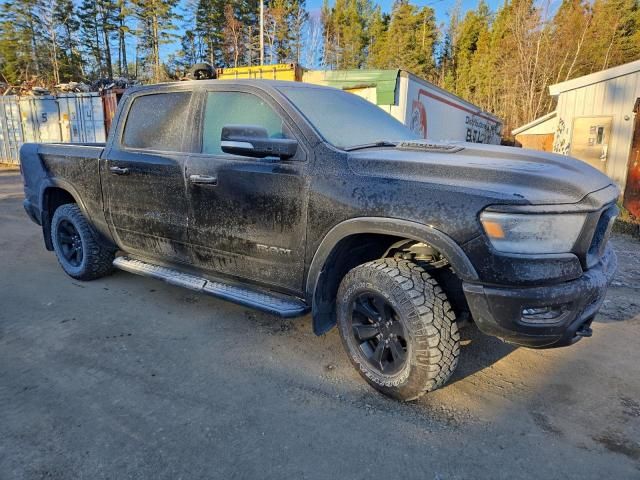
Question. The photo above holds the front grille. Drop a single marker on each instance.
(601, 234)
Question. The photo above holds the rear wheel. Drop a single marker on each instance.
(398, 327)
(74, 243)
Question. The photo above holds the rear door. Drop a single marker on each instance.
(248, 215)
(143, 175)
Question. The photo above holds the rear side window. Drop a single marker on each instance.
(157, 122)
(236, 108)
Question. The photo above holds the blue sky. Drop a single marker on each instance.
(441, 7)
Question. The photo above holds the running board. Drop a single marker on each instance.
(280, 305)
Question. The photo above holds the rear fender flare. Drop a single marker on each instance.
(44, 214)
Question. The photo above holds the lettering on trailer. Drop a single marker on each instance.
(479, 131)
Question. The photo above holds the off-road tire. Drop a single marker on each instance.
(97, 260)
(433, 341)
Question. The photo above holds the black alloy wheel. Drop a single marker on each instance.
(75, 244)
(378, 332)
(398, 327)
(70, 242)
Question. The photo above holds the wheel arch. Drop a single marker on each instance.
(55, 193)
(362, 239)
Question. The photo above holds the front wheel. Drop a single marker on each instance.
(78, 252)
(398, 328)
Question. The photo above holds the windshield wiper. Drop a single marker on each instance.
(380, 143)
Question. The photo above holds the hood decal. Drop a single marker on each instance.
(429, 146)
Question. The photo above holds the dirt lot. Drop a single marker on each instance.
(127, 377)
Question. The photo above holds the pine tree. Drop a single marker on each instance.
(232, 32)
(90, 39)
(409, 41)
(70, 58)
(155, 27)
(209, 25)
(17, 45)
(569, 29)
(22, 33)
(108, 23)
(123, 12)
(285, 20)
(377, 48)
(346, 33)
(474, 24)
(446, 57)
(613, 36)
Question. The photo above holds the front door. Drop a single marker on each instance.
(247, 216)
(590, 140)
(143, 178)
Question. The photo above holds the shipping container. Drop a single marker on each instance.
(428, 110)
(81, 117)
(10, 129)
(282, 71)
(68, 117)
(40, 119)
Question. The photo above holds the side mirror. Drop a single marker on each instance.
(254, 141)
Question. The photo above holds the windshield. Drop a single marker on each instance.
(345, 120)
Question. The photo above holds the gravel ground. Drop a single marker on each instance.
(127, 377)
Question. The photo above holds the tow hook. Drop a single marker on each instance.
(584, 331)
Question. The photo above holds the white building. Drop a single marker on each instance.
(597, 120)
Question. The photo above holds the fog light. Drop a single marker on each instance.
(542, 315)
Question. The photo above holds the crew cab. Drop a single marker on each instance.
(293, 198)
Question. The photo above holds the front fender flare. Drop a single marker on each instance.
(384, 226)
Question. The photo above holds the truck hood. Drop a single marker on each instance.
(539, 178)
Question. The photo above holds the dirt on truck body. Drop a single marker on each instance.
(291, 198)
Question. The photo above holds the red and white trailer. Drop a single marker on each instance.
(428, 110)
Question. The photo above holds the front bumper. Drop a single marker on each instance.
(498, 311)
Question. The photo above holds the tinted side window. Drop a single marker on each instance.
(157, 121)
(236, 108)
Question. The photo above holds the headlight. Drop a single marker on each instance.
(532, 232)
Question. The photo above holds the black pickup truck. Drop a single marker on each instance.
(288, 197)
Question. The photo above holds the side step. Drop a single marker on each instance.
(276, 304)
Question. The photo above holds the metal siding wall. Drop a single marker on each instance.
(614, 98)
(579, 103)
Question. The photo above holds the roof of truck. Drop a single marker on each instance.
(239, 81)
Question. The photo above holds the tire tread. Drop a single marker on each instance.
(436, 316)
(99, 258)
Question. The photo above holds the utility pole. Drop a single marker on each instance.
(261, 32)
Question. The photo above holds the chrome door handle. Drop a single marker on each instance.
(203, 180)
(119, 170)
